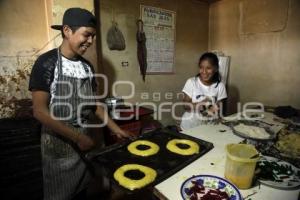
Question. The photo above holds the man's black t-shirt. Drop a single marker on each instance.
(44, 71)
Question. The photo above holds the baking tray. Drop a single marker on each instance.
(164, 162)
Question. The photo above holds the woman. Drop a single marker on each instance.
(203, 93)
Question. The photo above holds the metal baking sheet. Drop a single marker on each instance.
(164, 162)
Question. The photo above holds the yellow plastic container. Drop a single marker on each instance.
(239, 167)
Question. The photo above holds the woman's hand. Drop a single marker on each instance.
(213, 110)
(84, 142)
(202, 105)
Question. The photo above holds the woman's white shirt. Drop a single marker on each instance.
(197, 91)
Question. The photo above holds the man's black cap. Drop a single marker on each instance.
(77, 17)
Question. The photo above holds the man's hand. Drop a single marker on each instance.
(121, 134)
(84, 142)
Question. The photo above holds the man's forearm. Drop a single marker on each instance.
(103, 115)
(55, 125)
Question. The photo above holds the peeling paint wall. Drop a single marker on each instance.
(191, 42)
(263, 39)
(23, 36)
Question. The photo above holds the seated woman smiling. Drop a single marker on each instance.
(203, 93)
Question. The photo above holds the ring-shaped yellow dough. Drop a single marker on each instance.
(131, 184)
(132, 148)
(193, 147)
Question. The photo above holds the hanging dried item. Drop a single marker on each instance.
(115, 38)
(141, 48)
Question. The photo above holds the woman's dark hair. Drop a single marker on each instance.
(73, 28)
(214, 61)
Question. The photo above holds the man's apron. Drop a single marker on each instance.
(64, 171)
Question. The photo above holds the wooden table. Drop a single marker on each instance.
(213, 163)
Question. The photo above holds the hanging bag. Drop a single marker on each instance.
(115, 38)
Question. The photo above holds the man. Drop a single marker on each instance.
(63, 90)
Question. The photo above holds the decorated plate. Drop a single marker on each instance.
(209, 187)
(277, 173)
